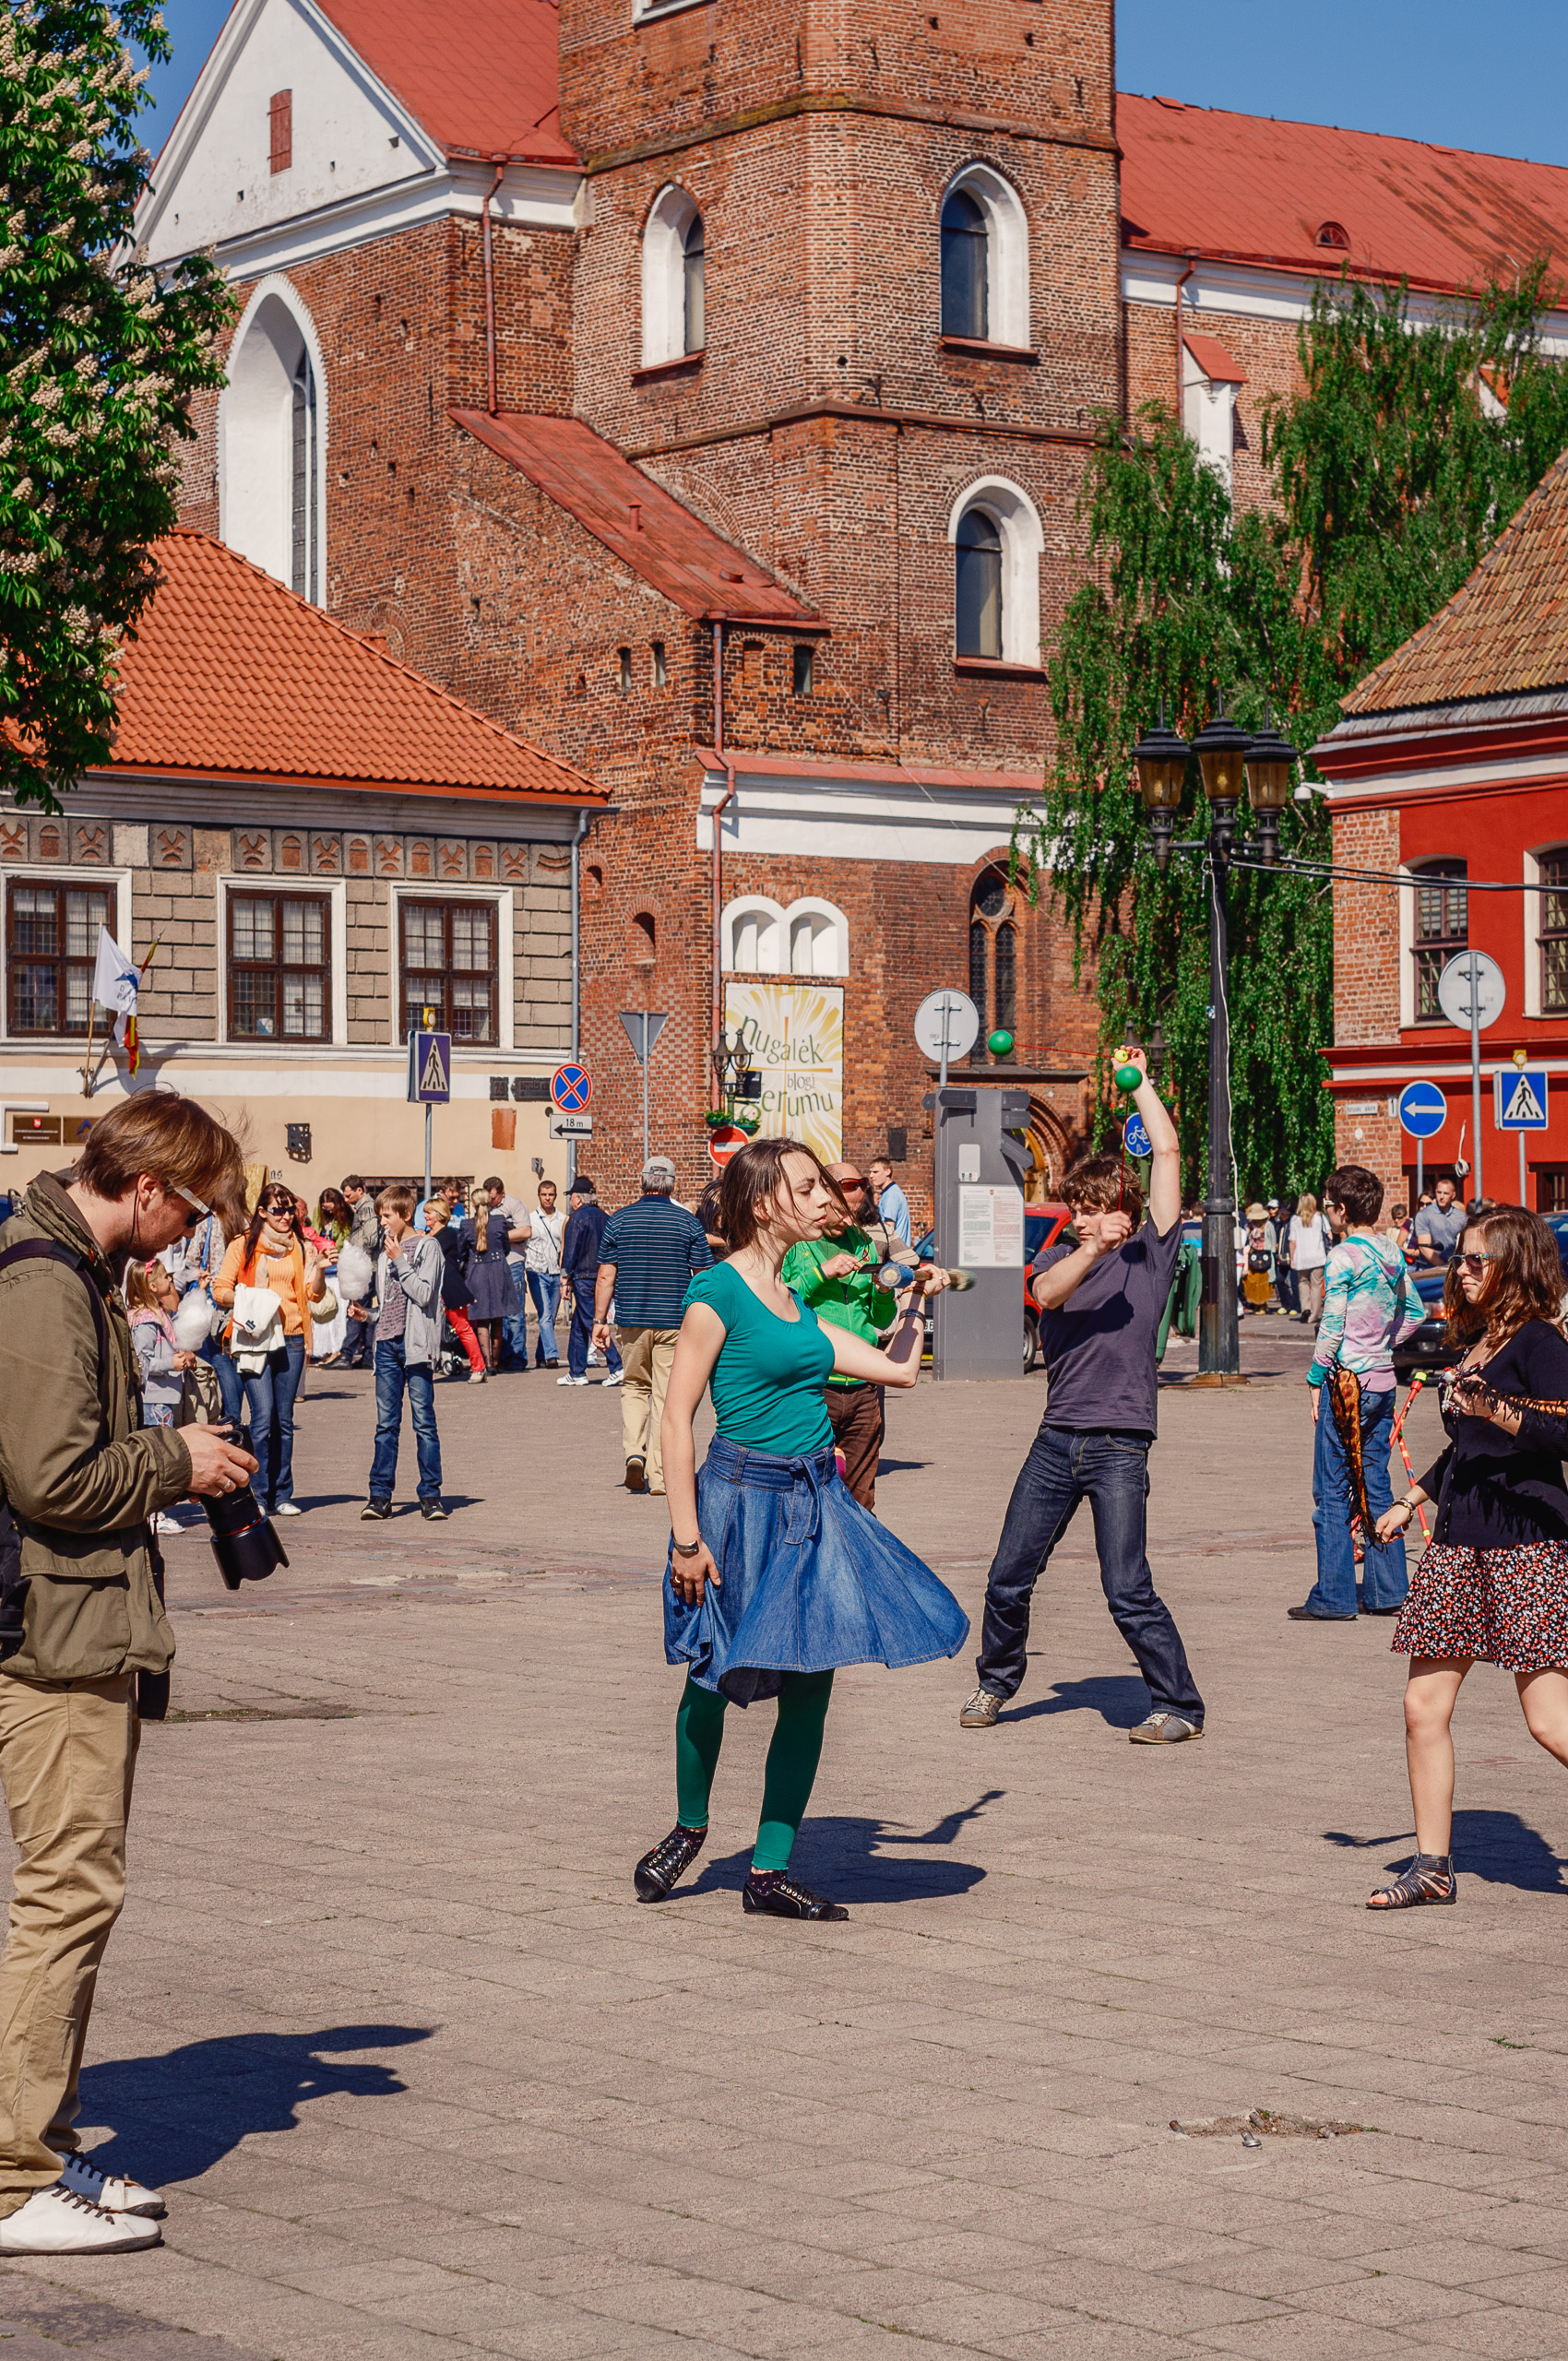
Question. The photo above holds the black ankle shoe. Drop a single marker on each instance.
(783, 1898)
(658, 1872)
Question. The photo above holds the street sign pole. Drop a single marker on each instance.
(643, 1026)
(1476, 1063)
(1522, 1169)
(429, 1118)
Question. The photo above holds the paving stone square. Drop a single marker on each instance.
(422, 2079)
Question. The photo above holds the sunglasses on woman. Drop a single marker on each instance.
(1476, 1263)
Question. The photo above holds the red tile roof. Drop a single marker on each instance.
(1504, 633)
(229, 675)
(484, 85)
(644, 525)
(1244, 188)
(1214, 359)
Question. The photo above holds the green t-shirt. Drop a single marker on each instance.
(767, 1382)
(857, 1303)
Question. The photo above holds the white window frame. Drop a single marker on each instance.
(773, 946)
(664, 276)
(1531, 897)
(1023, 544)
(436, 889)
(1007, 251)
(331, 890)
(63, 874)
(276, 287)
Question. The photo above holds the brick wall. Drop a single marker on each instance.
(1366, 988)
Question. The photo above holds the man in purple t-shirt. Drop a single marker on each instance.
(1100, 1304)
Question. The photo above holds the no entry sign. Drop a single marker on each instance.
(725, 1142)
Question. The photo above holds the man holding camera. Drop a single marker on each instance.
(82, 1621)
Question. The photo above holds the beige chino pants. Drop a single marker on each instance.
(647, 1355)
(67, 1755)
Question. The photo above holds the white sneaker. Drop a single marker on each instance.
(286, 1508)
(571, 1380)
(475, 1377)
(613, 1378)
(167, 1524)
(55, 2221)
(110, 2193)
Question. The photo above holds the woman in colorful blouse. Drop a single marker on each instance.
(1492, 1585)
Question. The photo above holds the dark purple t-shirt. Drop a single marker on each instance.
(1099, 1346)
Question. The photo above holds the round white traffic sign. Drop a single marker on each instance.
(1467, 971)
(947, 1024)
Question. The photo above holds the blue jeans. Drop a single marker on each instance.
(393, 1377)
(356, 1344)
(228, 1381)
(1384, 1576)
(269, 1404)
(545, 1288)
(514, 1351)
(578, 1343)
(1111, 1471)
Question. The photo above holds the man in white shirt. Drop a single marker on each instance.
(891, 1202)
(541, 1267)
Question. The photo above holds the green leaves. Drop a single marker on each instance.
(100, 362)
(1393, 471)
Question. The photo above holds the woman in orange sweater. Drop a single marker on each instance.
(271, 1255)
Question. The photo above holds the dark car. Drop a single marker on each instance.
(1427, 1347)
(1043, 1224)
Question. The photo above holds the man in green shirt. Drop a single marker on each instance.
(837, 1275)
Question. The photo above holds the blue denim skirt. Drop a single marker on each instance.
(808, 1579)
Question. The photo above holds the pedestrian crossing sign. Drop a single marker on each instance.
(1521, 1098)
(430, 1069)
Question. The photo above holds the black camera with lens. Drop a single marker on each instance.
(243, 1542)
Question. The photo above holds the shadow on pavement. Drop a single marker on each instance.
(1118, 1698)
(1496, 1845)
(175, 2116)
(842, 1854)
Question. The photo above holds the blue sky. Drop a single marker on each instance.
(1446, 70)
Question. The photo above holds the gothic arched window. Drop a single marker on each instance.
(994, 957)
(966, 267)
(978, 584)
(271, 440)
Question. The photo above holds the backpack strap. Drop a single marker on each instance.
(13, 1581)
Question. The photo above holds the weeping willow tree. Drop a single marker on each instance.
(1392, 471)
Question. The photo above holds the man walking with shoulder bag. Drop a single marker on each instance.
(81, 1622)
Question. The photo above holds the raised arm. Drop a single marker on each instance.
(1164, 1169)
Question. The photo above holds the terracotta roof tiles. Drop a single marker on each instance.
(1504, 633)
(1246, 188)
(231, 675)
(644, 526)
(483, 87)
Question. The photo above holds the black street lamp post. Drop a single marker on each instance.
(1224, 753)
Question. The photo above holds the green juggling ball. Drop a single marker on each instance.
(1128, 1077)
(999, 1044)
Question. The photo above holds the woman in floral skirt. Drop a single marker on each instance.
(1492, 1586)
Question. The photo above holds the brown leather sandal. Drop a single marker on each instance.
(1430, 1878)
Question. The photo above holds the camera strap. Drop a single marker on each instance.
(13, 1581)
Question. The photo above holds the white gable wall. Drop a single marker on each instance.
(214, 182)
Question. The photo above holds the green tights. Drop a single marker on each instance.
(792, 1759)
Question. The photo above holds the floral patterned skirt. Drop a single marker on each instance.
(1502, 1606)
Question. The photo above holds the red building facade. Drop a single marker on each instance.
(1450, 770)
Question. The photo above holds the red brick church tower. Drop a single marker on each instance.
(703, 389)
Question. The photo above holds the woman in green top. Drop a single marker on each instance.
(776, 1575)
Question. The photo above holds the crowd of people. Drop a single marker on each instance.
(1282, 1246)
(149, 1317)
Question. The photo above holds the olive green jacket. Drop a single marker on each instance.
(81, 1474)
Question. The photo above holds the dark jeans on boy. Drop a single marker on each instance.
(1110, 1470)
(357, 1353)
(1384, 1576)
(394, 1376)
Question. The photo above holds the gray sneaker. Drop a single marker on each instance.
(1165, 1729)
(981, 1711)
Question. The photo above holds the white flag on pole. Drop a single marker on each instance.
(115, 982)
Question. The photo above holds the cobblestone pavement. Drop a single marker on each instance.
(422, 2080)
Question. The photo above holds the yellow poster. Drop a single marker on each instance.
(795, 1034)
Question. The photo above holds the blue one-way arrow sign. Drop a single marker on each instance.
(1423, 1109)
